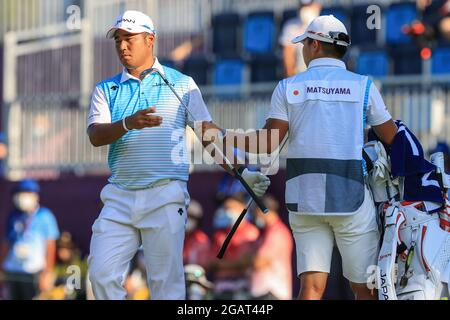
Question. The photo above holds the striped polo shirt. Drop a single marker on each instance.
(142, 157)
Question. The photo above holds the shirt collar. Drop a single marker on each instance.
(127, 76)
(329, 62)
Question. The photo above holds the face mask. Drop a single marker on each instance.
(191, 225)
(307, 15)
(260, 224)
(224, 218)
(25, 202)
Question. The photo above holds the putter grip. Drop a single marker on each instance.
(255, 198)
(230, 234)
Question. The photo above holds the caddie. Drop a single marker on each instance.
(325, 110)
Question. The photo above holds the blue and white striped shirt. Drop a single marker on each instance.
(142, 157)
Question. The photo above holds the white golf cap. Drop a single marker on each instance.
(326, 29)
(133, 22)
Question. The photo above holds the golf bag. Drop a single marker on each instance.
(414, 259)
(415, 253)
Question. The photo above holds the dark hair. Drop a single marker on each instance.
(333, 49)
(237, 196)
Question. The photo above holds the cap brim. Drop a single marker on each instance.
(300, 38)
(112, 31)
(318, 38)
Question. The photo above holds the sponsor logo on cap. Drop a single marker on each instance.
(125, 20)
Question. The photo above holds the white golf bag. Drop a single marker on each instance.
(414, 259)
(415, 253)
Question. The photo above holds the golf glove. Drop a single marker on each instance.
(257, 181)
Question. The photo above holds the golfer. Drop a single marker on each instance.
(325, 110)
(145, 201)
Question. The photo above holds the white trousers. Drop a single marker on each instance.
(154, 218)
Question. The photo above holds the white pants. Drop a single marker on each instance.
(356, 236)
(154, 218)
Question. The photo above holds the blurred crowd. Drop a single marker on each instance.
(38, 261)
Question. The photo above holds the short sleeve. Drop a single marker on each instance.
(377, 112)
(52, 230)
(278, 105)
(99, 111)
(197, 107)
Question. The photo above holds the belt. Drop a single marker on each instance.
(154, 184)
(160, 183)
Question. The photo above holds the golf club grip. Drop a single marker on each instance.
(230, 234)
(255, 198)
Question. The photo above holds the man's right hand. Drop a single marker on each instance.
(143, 119)
(257, 181)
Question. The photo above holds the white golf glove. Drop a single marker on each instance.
(257, 181)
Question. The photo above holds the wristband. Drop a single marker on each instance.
(124, 125)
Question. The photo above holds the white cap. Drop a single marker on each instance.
(133, 22)
(326, 29)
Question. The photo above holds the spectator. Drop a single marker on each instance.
(197, 245)
(292, 54)
(272, 263)
(28, 254)
(68, 256)
(232, 273)
(136, 283)
(197, 286)
(229, 185)
(435, 15)
(3, 154)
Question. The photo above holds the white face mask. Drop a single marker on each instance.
(25, 201)
(261, 224)
(191, 224)
(224, 218)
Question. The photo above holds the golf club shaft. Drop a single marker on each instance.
(227, 240)
(238, 176)
(230, 234)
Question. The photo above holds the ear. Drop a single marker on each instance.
(149, 39)
(316, 45)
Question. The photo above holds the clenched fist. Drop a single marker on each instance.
(257, 181)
